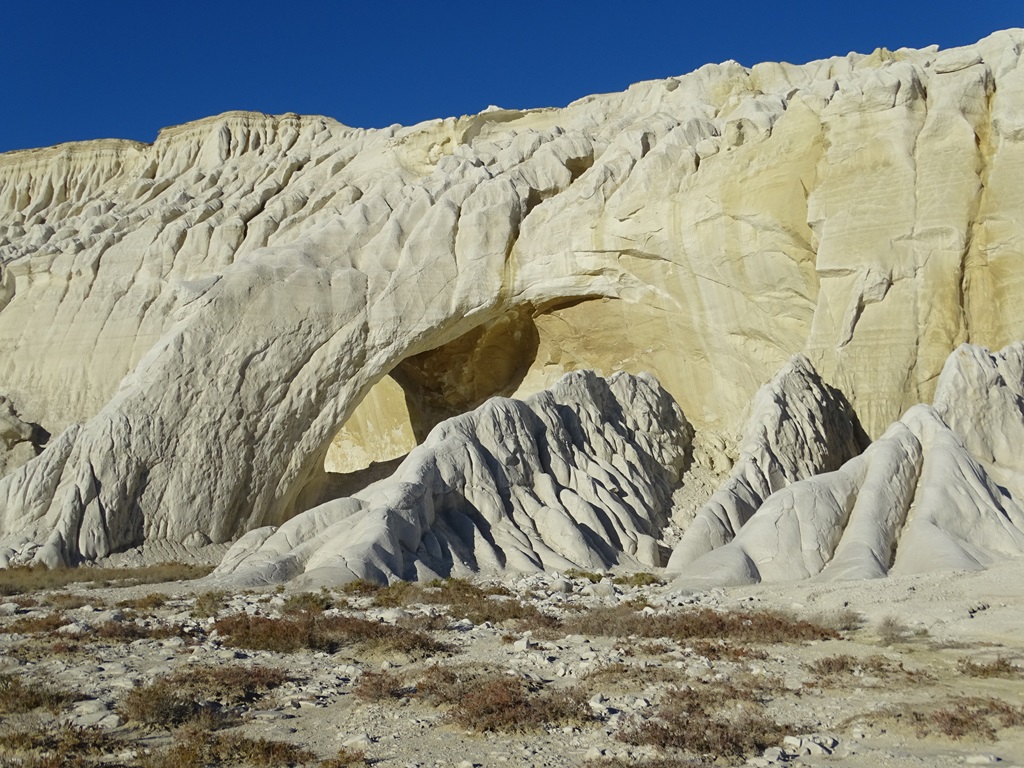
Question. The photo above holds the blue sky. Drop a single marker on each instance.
(90, 69)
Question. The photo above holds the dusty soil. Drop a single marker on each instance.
(920, 671)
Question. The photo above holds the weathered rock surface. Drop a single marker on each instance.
(196, 320)
(942, 489)
(577, 476)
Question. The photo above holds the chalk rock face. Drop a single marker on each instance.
(577, 476)
(196, 321)
(942, 489)
(799, 427)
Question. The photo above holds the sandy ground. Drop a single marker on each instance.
(905, 662)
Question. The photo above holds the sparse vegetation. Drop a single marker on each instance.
(1000, 667)
(483, 699)
(464, 600)
(36, 578)
(309, 602)
(208, 604)
(718, 720)
(742, 627)
(36, 625)
(976, 717)
(195, 747)
(592, 576)
(150, 602)
(17, 698)
(379, 686)
(54, 745)
(322, 633)
(640, 579)
(346, 758)
(198, 694)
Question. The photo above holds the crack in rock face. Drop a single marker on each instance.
(232, 337)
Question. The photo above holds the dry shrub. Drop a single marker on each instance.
(345, 758)
(308, 602)
(976, 717)
(721, 719)
(698, 623)
(68, 602)
(379, 686)
(129, 631)
(198, 695)
(36, 625)
(34, 578)
(362, 588)
(649, 762)
(482, 699)
(208, 604)
(1001, 667)
(194, 747)
(159, 705)
(723, 650)
(149, 602)
(629, 678)
(57, 745)
(592, 576)
(228, 685)
(18, 698)
(830, 666)
(640, 579)
(322, 633)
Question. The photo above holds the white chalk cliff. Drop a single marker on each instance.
(255, 316)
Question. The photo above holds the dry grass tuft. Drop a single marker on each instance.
(36, 625)
(198, 694)
(56, 745)
(379, 686)
(482, 699)
(17, 698)
(346, 758)
(641, 579)
(309, 602)
(699, 623)
(1001, 667)
(36, 578)
(129, 631)
(975, 717)
(209, 604)
(830, 666)
(715, 720)
(322, 633)
(150, 602)
(195, 747)
(592, 576)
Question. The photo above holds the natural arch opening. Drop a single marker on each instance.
(421, 391)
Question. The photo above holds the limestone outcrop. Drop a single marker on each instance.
(942, 489)
(195, 321)
(580, 475)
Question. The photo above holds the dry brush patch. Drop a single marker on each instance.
(198, 694)
(724, 719)
(22, 579)
(1001, 667)
(55, 745)
(973, 716)
(323, 633)
(463, 599)
(195, 747)
(484, 699)
(755, 627)
(17, 698)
